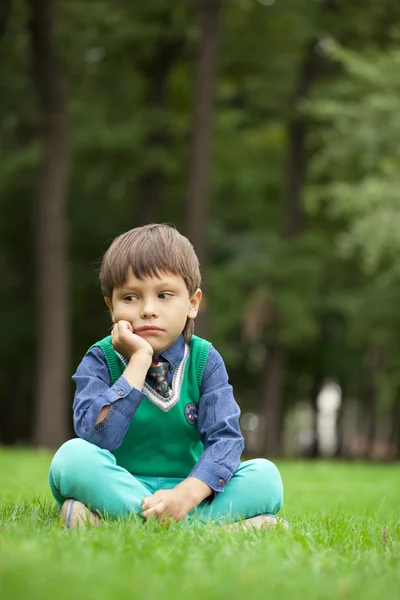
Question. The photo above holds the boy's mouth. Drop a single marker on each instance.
(147, 328)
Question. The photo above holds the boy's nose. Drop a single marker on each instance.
(148, 312)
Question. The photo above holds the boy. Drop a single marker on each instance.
(157, 423)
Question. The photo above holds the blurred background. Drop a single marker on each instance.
(268, 132)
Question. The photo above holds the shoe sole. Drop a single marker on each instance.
(259, 522)
(75, 514)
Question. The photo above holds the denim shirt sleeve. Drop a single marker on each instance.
(218, 424)
(93, 391)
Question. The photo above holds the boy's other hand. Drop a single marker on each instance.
(166, 505)
(176, 503)
(126, 342)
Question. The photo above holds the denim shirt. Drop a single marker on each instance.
(217, 422)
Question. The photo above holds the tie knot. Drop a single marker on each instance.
(158, 368)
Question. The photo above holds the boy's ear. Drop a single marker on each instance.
(109, 306)
(194, 304)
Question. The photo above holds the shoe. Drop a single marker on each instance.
(76, 514)
(259, 522)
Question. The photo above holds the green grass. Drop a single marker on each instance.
(336, 547)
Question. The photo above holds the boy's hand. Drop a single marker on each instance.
(176, 503)
(126, 342)
(166, 505)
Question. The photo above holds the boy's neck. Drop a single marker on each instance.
(174, 351)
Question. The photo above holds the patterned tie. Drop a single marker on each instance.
(157, 371)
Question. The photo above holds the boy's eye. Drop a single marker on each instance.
(165, 295)
(130, 298)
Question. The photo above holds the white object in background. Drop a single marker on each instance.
(328, 404)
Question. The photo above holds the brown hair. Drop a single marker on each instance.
(149, 251)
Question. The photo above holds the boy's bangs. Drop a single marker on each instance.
(149, 251)
(150, 261)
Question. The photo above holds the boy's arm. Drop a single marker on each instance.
(135, 374)
(112, 422)
(218, 424)
(94, 392)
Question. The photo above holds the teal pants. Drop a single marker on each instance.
(87, 473)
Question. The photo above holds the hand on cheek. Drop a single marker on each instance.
(125, 341)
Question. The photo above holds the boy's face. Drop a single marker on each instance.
(156, 308)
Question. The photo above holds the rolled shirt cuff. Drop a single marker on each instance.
(214, 475)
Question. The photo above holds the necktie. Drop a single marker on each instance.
(157, 371)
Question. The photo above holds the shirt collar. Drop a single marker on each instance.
(174, 354)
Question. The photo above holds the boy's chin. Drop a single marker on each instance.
(157, 348)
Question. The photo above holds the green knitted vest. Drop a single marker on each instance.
(158, 443)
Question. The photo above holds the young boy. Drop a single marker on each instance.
(157, 423)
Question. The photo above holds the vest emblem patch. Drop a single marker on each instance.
(191, 412)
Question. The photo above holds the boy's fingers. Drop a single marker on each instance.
(153, 499)
(155, 511)
(149, 502)
(166, 516)
(123, 326)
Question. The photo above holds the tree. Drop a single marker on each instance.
(52, 337)
(156, 70)
(200, 149)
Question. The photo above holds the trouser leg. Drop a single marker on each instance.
(87, 473)
(256, 488)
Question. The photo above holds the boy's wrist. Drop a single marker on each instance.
(141, 356)
(136, 370)
(193, 490)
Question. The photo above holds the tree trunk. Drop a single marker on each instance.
(151, 182)
(272, 400)
(395, 433)
(317, 384)
(340, 424)
(320, 372)
(157, 72)
(197, 211)
(52, 340)
(372, 362)
(369, 405)
(394, 440)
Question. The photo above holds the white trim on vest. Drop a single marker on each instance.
(162, 403)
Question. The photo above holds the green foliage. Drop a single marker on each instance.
(354, 181)
(358, 137)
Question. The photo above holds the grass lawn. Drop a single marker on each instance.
(344, 542)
